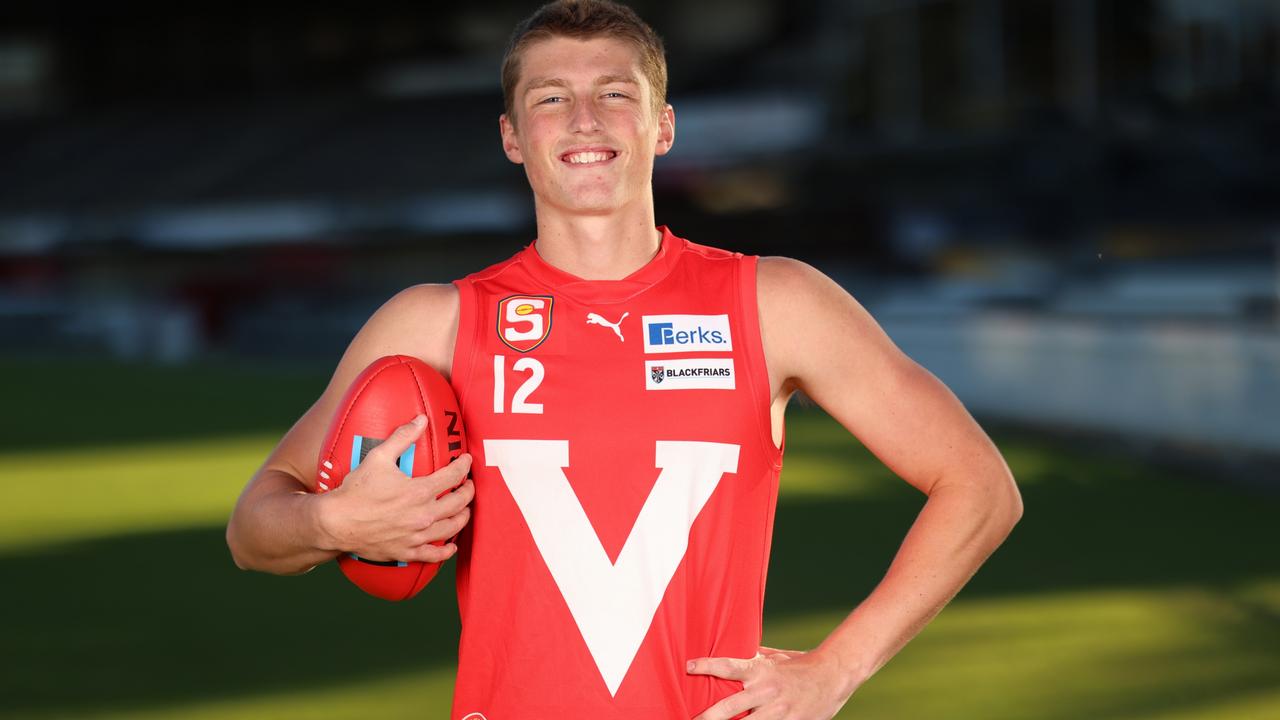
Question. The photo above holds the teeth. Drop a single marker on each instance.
(587, 157)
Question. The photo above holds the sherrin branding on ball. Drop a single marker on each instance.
(387, 394)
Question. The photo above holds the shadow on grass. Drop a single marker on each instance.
(149, 621)
(153, 620)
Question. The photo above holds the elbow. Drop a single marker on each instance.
(1015, 512)
(992, 495)
(1012, 503)
(246, 557)
(1000, 502)
(233, 544)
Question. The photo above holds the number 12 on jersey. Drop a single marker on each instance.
(520, 401)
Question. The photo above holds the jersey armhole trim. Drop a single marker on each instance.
(465, 342)
(758, 369)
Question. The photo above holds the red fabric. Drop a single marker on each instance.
(523, 653)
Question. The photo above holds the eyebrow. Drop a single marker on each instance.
(539, 83)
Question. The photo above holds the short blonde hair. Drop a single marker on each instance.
(584, 20)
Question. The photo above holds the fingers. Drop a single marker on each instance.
(732, 706)
(721, 667)
(427, 545)
(393, 447)
(448, 477)
(432, 549)
(452, 502)
(445, 528)
(431, 553)
(410, 521)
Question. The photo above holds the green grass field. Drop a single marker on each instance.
(1125, 592)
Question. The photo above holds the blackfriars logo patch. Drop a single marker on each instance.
(524, 321)
(690, 374)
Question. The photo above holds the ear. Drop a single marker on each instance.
(666, 131)
(510, 143)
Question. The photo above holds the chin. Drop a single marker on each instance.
(594, 203)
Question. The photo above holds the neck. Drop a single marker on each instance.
(598, 247)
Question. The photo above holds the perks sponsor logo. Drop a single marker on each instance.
(524, 321)
(690, 374)
(686, 333)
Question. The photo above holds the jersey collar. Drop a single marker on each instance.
(606, 291)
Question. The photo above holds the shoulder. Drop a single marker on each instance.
(790, 290)
(809, 322)
(433, 296)
(780, 276)
(420, 320)
(422, 306)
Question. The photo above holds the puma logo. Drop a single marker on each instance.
(594, 319)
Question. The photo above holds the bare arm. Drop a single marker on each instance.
(279, 526)
(820, 340)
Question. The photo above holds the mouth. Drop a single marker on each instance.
(591, 157)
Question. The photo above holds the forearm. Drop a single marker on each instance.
(277, 529)
(959, 527)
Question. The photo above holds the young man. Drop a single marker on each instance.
(624, 392)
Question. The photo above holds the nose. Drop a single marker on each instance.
(584, 118)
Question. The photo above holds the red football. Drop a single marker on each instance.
(388, 394)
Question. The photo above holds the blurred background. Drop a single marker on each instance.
(1067, 210)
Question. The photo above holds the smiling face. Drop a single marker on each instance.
(584, 125)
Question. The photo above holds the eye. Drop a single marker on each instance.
(615, 93)
(550, 100)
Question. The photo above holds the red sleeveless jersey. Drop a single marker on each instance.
(626, 481)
